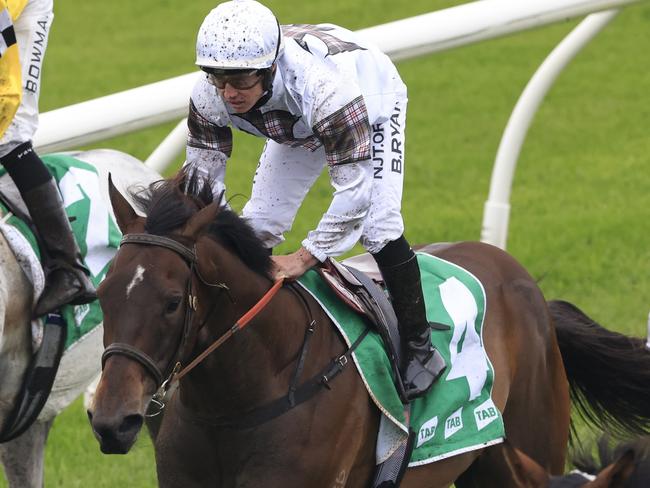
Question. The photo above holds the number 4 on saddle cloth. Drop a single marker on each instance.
(457, 414)
(98, 238)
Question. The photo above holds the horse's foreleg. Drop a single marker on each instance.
(185, 452)
(22, 457)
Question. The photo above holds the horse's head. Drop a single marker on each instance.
(145, 299)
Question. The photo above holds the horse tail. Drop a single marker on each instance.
(608, 372)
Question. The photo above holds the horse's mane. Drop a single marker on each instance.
(585, 461)
(170, 203)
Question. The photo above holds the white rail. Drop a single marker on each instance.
(476, 21)
(169, 148)
(496, 214)
(150, 105)
(113, 115)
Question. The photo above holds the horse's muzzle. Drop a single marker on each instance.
(116, 435)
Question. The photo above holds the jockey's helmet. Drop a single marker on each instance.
(238, 35)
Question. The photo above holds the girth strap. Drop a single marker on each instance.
(38, 380)
(279, 406)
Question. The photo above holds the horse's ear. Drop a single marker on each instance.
(199, 221)
(124, 213)
(616, 474)
(525, 471)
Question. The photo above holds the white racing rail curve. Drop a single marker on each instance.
(164, 101)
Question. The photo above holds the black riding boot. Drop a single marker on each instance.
(66, 279)
(422, 364)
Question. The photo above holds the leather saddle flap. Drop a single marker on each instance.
(343, 283)
(366, 297)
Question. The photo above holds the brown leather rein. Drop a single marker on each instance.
(174, 371)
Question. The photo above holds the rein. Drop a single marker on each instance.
(239, 325)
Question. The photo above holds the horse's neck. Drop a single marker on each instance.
(266, 347)
(15, 333)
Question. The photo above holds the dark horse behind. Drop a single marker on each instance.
(192, 268)
(625, 465)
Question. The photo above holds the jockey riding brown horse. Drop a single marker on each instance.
(192, 268)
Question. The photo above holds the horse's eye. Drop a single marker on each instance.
(172, 305)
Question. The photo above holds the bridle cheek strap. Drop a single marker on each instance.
(177, 373)
(239, 325)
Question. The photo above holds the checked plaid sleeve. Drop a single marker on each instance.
(346, 134)
(203, 134)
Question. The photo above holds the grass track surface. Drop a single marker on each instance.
(580, 199)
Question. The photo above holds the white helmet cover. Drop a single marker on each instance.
(239, 34)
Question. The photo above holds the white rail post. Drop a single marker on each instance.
(497, 207)
(169, 148)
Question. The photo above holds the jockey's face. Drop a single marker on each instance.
(241, 92)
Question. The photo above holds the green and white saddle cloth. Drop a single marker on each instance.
(92, 224)
(458, 414)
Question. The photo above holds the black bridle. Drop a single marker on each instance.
(132, 352)
(173, 371)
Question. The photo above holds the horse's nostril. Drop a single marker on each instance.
(90, 416)
(116, 435)
(102, 432)
(131, 423)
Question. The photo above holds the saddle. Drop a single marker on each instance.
(357, 281)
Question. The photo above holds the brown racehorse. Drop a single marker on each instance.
(193, 268)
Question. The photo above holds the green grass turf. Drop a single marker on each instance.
(580, 197)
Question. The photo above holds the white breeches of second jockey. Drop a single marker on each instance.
(32, 31)
(285, 175)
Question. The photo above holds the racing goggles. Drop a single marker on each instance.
(238, 79)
